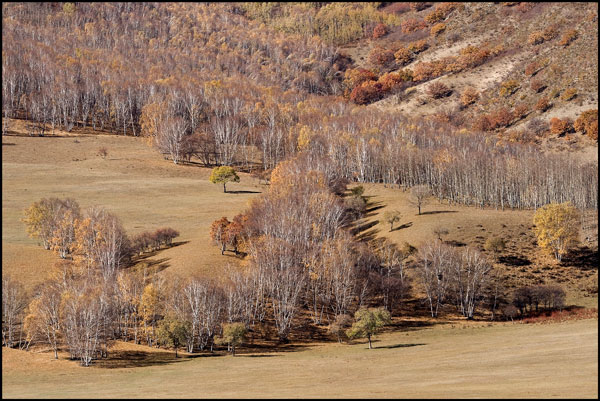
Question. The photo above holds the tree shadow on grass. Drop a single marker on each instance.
(244, 192)
(583, 258)
(439, 211)
(137, 359)
(359, 228)
(405, 225)
(398, 346)
(514, 260)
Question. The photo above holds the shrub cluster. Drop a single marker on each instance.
(539, 37)
(532, 68)
(560, 127)
(418, 46)
(153, 240)
(379, 31)
(537, 85)
(469, 96)
(438, 90)
(499, 118)
(412, 25)
(509, 87)
(441, 12)
(528, 298)
(569, 94)
(543, 104)
(438, 28)
(404, 56)
(380, 56)
(587, 122)
(568, 37)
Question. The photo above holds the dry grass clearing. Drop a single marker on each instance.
(476, 360)
(134, 182)
(523, 261)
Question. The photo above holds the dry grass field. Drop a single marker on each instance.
(134, 182)
(147, 192)
(462, 361)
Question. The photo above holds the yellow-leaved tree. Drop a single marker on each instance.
(557, 227)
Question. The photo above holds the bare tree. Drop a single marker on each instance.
(469, 274)
(14, 302)
(419, 195)
(434, 268)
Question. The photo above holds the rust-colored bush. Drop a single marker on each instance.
(521, 110)
(532, 68)
(587, 122)
(568, 37)
(438, 29)
(380, 56)
(472, 56)
(501, 118)
(537, 85)
(412, 25)
(419, 6)
(482, 123)
(423, 72)
(366, 93)
(404, 56)
(398, 8)
(438, 90)
(525, 6)
(394, 80)
(469, 96)
(543, 104)
(379, 31)
(355, 77)
(560, 127)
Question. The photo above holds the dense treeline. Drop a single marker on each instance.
(202, 81)
(99, 64)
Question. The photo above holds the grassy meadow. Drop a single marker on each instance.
(457, 359)
(460, 361)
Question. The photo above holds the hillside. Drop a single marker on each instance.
(226, 199)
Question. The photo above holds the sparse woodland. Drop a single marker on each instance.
(265, 88)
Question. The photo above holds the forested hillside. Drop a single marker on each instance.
(489, 107)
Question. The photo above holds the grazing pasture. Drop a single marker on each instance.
(447, 361)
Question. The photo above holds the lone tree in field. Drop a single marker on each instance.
(368, 323)
(419, 195)
(495, 245)
(440, 231)
(223, 174)
(173, 332)
(234, 334)
(391, 217)
(557, 227)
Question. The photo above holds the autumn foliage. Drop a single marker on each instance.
(587, 122)
(379, 31)
(560, 126)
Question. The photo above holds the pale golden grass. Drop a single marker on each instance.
(147, 192)
(465, 361)
(134, 182)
